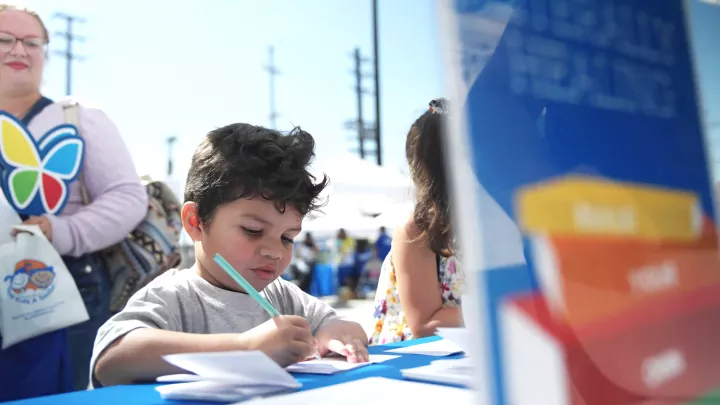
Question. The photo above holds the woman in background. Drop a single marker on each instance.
(363, 254)
(307, 254)
(345, 265)
(42, 365)
(421, 281)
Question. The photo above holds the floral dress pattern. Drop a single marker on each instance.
(389, 320)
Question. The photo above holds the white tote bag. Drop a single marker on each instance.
(8, 218)
(38, 293)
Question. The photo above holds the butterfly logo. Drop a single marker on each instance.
(36, 175)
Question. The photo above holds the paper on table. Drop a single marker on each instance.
(332, 365)
(177, 378)
(447, 371)
(465, 363)
(440, 374)
(183, 378)
(215, 391)
(438, 348)
(368, 390)
(459, 336)
(244, 368)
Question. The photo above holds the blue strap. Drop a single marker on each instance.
(36, 109)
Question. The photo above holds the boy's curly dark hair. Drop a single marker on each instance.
(246, 161)
(425, 154)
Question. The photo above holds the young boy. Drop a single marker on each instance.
(247, 192)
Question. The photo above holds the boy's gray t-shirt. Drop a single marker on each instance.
(182, 301)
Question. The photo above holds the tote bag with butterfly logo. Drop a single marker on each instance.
(38, 293)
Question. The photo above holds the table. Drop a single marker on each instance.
(145, 394)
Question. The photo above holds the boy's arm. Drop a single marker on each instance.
(137, 356)
(129, 347)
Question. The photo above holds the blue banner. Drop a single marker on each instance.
(584, 128)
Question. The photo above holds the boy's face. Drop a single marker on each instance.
(251, 235)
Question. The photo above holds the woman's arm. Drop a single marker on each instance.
(119, 200)
(417, 283)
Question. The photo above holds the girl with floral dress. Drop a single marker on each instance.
(421, 280)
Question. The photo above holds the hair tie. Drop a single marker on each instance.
(439, 106)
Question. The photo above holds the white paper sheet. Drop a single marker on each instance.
(181, 378)
(437, 348)
(216, 391)
(374, 390)
(247, 368)
(465, 363)
(439, 374)
(332, 365)
(459, 336)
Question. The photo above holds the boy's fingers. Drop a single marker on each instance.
(359, 352)
(338, 347)
(352, 348)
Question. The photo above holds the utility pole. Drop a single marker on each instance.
(376, 62)
(359, 96)
(365, 130)
(170, 142)
(272, 71)
(68, 54)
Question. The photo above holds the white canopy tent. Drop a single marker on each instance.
(342, 211)
(351, 175)
(359, 190)
(394, 215)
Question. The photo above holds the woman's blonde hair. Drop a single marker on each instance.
(8, 6)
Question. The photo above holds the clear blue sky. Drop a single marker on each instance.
(706, 33)
(165, 67)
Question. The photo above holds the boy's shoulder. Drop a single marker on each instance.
(171, 274)
(180, 283)
(282, 288)
(288, 293)
(171, 281)
(176, 280)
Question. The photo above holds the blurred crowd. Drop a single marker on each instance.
(355, 263)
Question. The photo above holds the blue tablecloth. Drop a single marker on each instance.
(146, 395)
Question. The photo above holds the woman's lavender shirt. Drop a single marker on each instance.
(119, 200)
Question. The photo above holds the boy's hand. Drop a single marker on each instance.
(286, 339)
(349, 346)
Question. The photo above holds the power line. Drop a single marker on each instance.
(272, 71)
(376, 62)
(68, 54)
